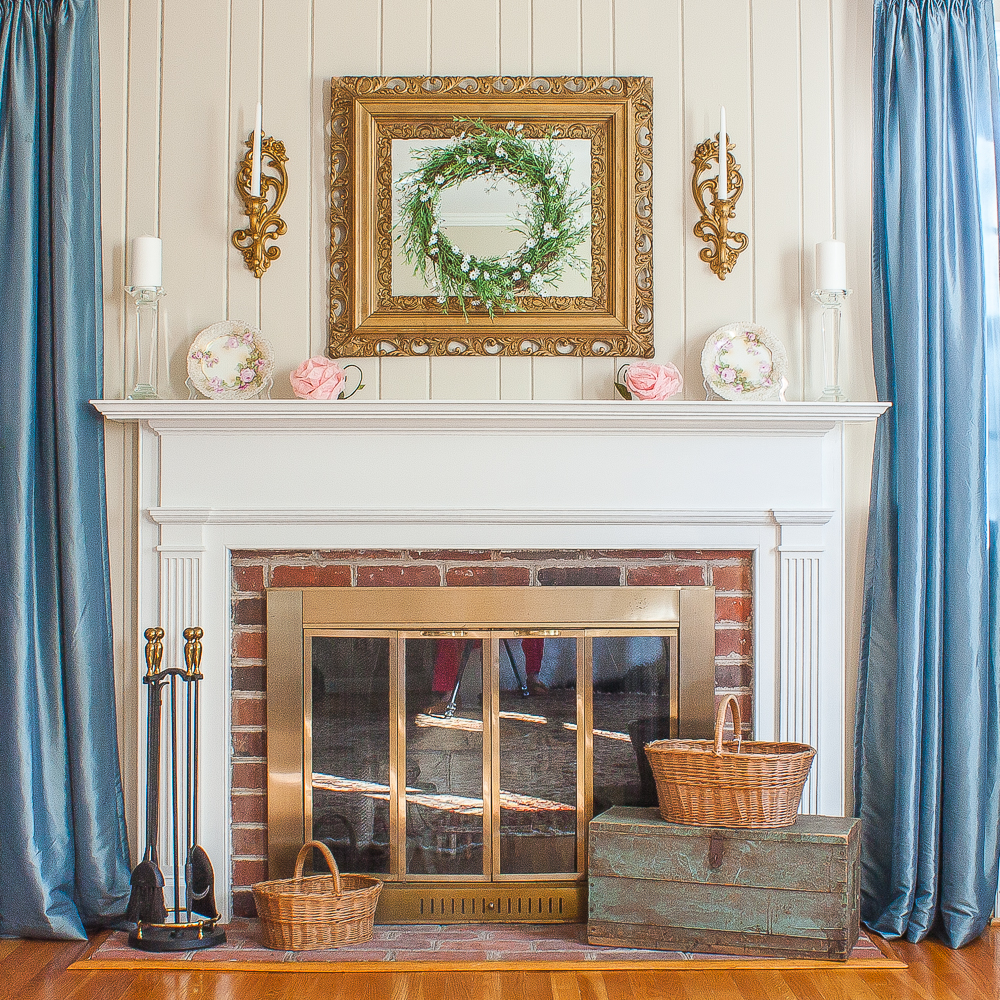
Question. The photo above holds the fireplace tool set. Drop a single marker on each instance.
(192, 921)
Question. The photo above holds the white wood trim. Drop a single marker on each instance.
(709, 516)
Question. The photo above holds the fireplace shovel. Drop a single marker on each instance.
(145, 903)
(198, 872)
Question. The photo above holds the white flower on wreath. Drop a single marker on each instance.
(474, 273)
(486, 275)
(516, 275)
(439, 179)
(526, 267)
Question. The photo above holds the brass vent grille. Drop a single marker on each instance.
(443, 904)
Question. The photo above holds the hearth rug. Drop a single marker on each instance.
(456, 947)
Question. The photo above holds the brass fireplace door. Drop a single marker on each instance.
(458, 748)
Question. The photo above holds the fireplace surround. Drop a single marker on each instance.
(213, 478)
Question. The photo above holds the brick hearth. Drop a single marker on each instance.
(730, 572)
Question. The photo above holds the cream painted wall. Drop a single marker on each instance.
(180, 82)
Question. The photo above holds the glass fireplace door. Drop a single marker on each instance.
(445, 756)
(538, 754)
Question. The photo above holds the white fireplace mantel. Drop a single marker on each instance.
(290, 474)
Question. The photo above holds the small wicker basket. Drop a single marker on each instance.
(319, 911)
(736, 784)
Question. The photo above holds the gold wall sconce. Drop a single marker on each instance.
(265, 223)
(724, 246)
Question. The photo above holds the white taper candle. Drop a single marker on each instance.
(255, 168)
(723, 188)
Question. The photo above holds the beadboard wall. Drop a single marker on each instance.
(180, 83)
(181, 79)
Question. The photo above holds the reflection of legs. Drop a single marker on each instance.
(533, 650)
(446, 660)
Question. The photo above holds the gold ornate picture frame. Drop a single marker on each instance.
(368, 317)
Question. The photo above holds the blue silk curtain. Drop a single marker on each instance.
(63, 853)
(927, 767)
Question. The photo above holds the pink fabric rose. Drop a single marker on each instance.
(648, 381)
(318, 378)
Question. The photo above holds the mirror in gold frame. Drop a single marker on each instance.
(388, 296)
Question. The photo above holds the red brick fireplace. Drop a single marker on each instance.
(730, 572)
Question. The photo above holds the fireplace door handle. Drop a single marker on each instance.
(449, 633)
(538, 632)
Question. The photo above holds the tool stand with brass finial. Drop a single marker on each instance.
(192, 922)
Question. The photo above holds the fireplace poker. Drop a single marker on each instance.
(198, 872)
(146, 903)
(174, 793)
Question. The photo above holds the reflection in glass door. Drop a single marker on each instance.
(419, 776)
(444, 766)
(538, 706)
(635, 697)
(349, 753)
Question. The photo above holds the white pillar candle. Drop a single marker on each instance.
(723, 188)
(831, 265)
(255, 168)
(146, 269)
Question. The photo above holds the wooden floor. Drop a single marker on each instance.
(34, 969)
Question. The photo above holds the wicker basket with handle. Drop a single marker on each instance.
(740, 783)
(317, 911)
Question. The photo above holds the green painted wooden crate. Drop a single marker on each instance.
(793, 891)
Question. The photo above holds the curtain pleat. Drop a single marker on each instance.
(63, 850)
(927, 735)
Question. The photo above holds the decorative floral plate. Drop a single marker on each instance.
(743, 361)
(230, 360)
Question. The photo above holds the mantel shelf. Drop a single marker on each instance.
(477, 417)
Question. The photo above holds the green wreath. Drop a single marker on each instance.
(552, 227)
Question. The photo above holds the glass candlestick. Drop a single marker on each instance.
(143, 350)
(832, 300)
